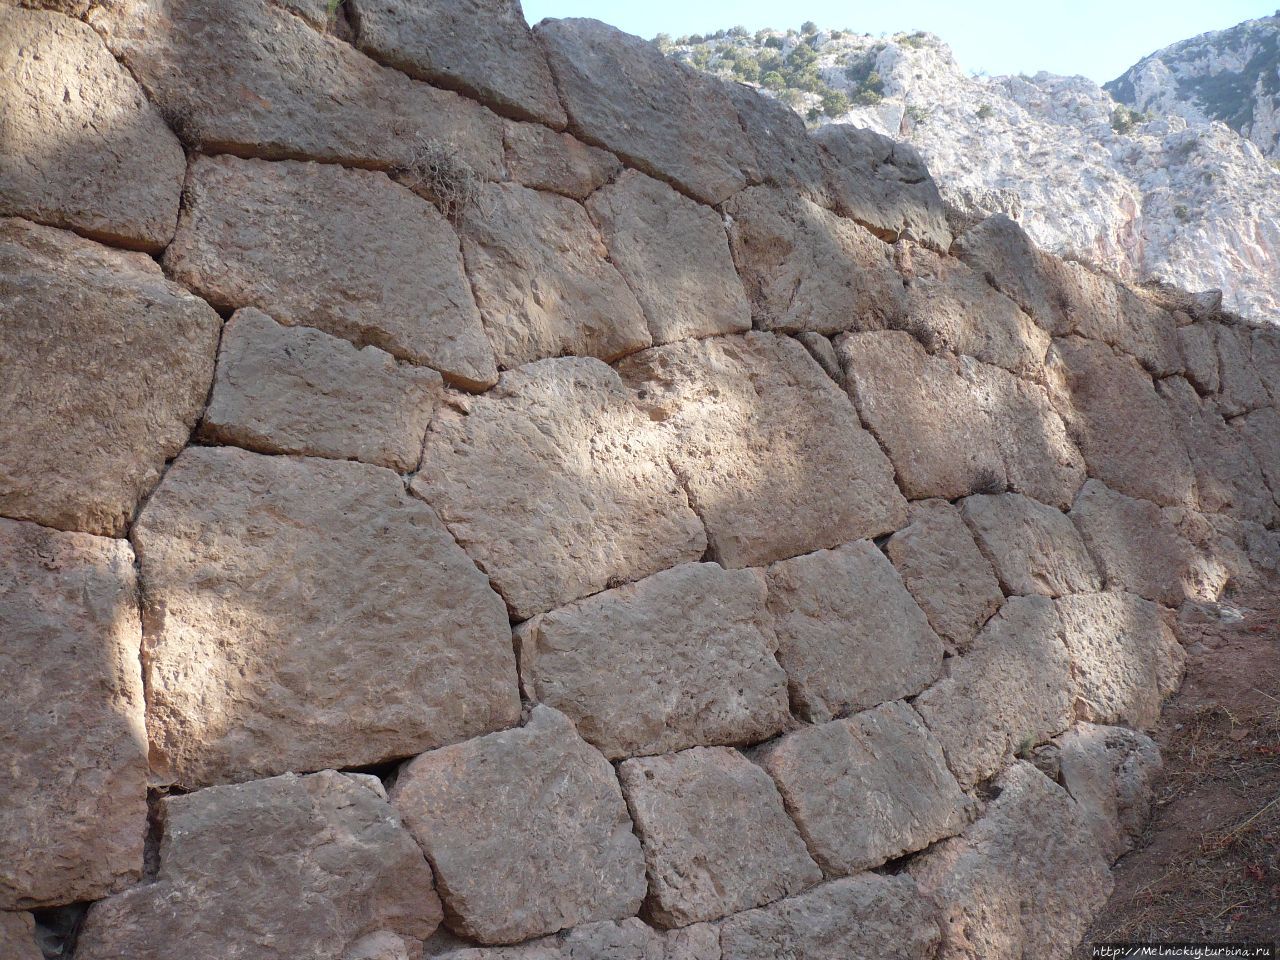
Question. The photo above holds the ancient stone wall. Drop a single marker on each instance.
(501, 491)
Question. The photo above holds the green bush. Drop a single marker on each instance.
(774, 43)
(746, 69)
(835, 103)
(808, 28)
(985, 112)
(773, 80)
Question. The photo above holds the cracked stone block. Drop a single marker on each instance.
(1011, 691)
(715, 835)
(850, 636)
(318, 866)
(1261, 431)
(674, 256)
(556, 487)
(1241, 388)
(1198, 347)
(82, 148)
(866, 789)
(73, 800)
(999, 250)
(303, 613)
(785, 155)
(544, 159)
(807, 270)
(1034, 548)
(527, 831)
(298, 390)
(1103, 309)
(768, 447)
(120, 388)
(682, 658)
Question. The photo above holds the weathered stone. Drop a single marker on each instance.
(1261, 431)
(629, 939)
(1033, 548)
(1119, 422)
(543, 159)
(805, 269)
(1013, 690)
(1199, 350)
(297, 390)
(18, 937)
(949, 577)
(999, 250)
(556, 487)
(716, 837)
(346, 251)
(482, 48)
(1225, 549)
(1266, 360)
(822, 350)
(304, 613)
(680, 659)
(1103, 309)
(93, 408)
(785, 155)
(80, 146)
(1124, 657)
(526, 829)
(74, 811)
(884, 184)
(660, 116)
(1023, 881)
(674, 256)
(863, 916)
(850, 636)
(768, 447)
(1241, 388)
(318, 866)
(250, 78)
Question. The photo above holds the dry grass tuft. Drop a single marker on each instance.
(436, 172)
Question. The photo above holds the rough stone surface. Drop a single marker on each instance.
(867, 789)
(304, 613)
(554, 486)
(346, 251)
(482, 48)
(822, 350)
(18, 937)
(526, 829)
(318, 866)
(297, 390)
(850, 636)
(1125, 658)
(998, 249)
(805, 269)
(680, 659)
(1261, 431)
(1023, 881)
(785, 155)
(543, 281)
(547, 160)
(1199, 351)
(863, 916)
(80, 146)
(674, 256)
(630, 939)
(768, 447)
(1241, 388)
(1011, 691)
(1103, 309)
(1033, 547)
(716, 837)
(71, 718)
(944, 570)
(1266, 360)
(119, 389)
(659, 116)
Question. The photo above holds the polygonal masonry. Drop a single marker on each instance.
(1241, 388)
(1033, 547)
(785, 155)
(543, 159)
(1261, 431)
(630, 939)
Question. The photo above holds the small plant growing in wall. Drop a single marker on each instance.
(986, 112)
(435, 171)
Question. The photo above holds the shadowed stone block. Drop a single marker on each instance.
(18, 937)
(1241, 388)
(999, 250)
(1033, 548)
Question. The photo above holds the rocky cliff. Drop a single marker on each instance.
(500, 494)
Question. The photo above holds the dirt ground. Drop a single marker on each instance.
(1208, 865)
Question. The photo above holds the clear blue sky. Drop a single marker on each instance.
(1097, 38)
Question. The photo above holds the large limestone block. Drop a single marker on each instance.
(250, 78)
(1033, 547)
(1119, 422)
(1023, 881)
(769, 448)
(346, 251)
(303, 613)
(297, 390)
(318, 866)
(526, 829)
(716, 837)
(18, 937)
(1124, 657)
(660, 116)
(674, 255)
(850, 636)
(1261, 431)
(80, 146)
(999, 250)
(555, 487)
(73, 794)
(1198, 346)
(864, 916)
(944, 570)
(806, 269)
(1013, 690)
(107, 366)
(629, 939)
(884, 184)
(543, 279)
(545, 159)
(867, 789)
(1241, 388)
(680, 659)
(1104, 309)
(785, 155)
(482, 48)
